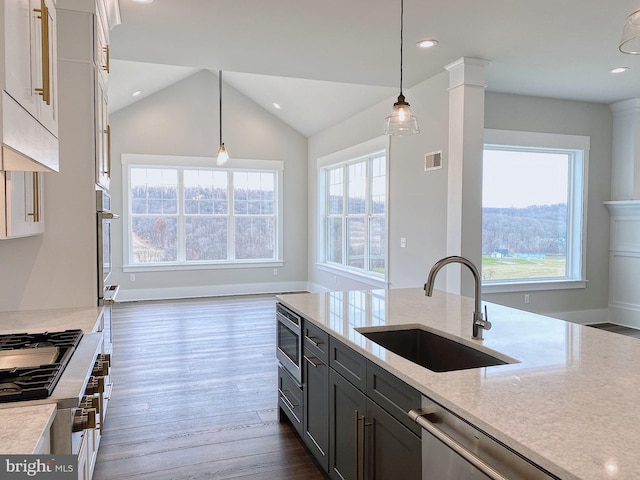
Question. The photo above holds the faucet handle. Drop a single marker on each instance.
(486, 324)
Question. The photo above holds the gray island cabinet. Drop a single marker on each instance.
(353, 412)
(566, 398)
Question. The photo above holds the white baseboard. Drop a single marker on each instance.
(171, 293)
(584, 317)
(628, 315)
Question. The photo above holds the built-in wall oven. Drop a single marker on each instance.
(106, 293)
(289, 341)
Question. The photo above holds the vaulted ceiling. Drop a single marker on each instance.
(325, 61)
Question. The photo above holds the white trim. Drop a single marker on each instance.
(536, 139)
(199, 266)
(183, 162)
(533, 286)
(578, 175)
(206, 162)
(370, 280)
(356, 151)
(135, 295)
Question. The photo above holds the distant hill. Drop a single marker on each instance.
(538, 229)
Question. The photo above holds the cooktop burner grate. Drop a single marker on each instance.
(30, 383)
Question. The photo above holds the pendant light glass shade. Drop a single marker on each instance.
(222, 156)
(630, 41)
(401, 121)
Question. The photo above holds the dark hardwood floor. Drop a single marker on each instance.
(195, 395)
(611, 327)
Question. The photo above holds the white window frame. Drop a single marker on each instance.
(187, 162)
(577, 206)
(370, 149)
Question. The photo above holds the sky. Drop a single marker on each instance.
(521, 179)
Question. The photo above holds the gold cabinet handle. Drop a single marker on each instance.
(105, 67)
(45, 91)
(109, 151)
(36, 197)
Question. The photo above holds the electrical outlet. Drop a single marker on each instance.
(132, 277)
(335, 279)
(275, 272)
(526, 298)
(403, 242)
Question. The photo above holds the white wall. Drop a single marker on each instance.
(183, 120)
(59, 268)
(417, 199)
(515, 112)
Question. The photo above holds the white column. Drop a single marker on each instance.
(466, 138)
(625, 170)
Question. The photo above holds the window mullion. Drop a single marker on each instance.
(231, 224)
(181, 218)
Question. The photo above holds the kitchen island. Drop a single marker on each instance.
(568, 401)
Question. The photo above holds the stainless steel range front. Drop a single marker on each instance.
(70, 369)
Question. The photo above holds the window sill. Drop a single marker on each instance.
(200, 266)
(512, 287)
(376, 282)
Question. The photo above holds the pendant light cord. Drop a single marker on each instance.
(401, 39)
(220, 97)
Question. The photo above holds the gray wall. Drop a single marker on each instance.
(515, 112)
(183, 120)
(417, 199)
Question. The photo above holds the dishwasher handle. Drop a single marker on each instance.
(419, 416)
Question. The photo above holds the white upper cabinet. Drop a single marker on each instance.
(31, 58)
(28, 66)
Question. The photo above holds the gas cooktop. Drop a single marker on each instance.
(32, 363)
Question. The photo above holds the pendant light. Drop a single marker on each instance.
(223, 156)
(401, 121)
(630, 41)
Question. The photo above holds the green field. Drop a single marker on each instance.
(511, 267)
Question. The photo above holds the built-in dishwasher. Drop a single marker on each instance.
(456, 450)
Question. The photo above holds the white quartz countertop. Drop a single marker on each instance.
(570, 403)
(23, 430)
(54, 320)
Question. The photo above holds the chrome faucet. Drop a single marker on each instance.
(479, 324)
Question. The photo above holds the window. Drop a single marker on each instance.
(355, 214)
(533, 222)
(195, 214)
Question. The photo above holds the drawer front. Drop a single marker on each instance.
(392, 394)
(348, 363)
(290, 399)
(316, 341)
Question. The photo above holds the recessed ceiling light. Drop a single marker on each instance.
(427, 43)
(619, 70)
(276, 105)
(143, 1)
(136, 93)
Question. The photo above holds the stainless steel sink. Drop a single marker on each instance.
(431, 350)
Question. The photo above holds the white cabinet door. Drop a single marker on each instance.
(24, 205)
(31, 58)
(45, 65)
(20, 20)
